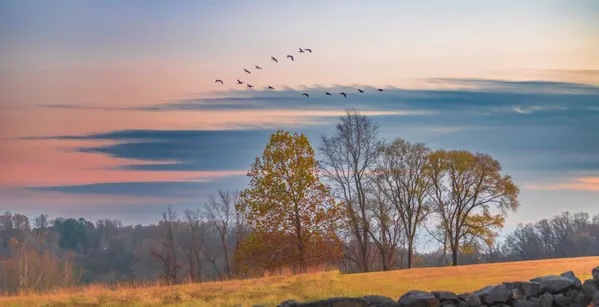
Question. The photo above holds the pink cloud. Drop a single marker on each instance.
(40, 163)
(577, 184)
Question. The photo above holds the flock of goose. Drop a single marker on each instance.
(289, 56)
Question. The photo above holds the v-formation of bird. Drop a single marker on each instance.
(289, 56)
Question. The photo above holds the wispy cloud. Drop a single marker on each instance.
(576, 184)
(154, 189)
(445, 94)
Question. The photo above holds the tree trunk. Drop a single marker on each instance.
(410, 252)
(454, 255)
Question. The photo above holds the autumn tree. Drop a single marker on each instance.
(402, 178)
(471, 196)
(291, 213)
(348, 157)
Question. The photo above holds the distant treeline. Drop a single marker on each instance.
(43, 254)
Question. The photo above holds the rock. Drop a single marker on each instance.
(321, 303)
(520, 303)
(348, 302)
(288, 303)
(578, 297)
(529, 288)
(461, 303)
(534, 302)
(576, 280)
(448, 304)
(417, 298)
(589, 289)
(562, 299)
(596, 300)
(445, 296)
(555, 284)
(381, 301)
(517, 294)
(491, 295)
(546, 300)
(470, 299)
(596, 276)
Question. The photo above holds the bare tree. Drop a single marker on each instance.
(221, 217)
(386, 230)
(196, 232)
(348, 157)
(166, 257)
(402, 179)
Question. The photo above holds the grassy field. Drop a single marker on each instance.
(270, 291)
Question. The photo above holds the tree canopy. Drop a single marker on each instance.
(292, 214)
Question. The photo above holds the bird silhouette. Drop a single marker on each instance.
(221, 81)
(258, 67)
(309, 50)
(290, 57)
(361, 91)
(304, 94)
(250, 86)
(274, 59)
(380, 89)
(344, 95)
(239, 82)
(247, 71)
(328, 94)
(270, 87)
(301, 51)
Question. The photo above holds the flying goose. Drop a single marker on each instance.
(258, 67)
(274, 59)
(361, 91)
(250, 86)
(328, 94)
(290, 57)
(309, 50)
(344, 95)
(239, 82)
(380, 89)
(247, 71)
(218, 80)
(301, 51)
(304, 94)
(270, 87)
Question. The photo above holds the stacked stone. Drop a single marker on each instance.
(564, 290)
(590, 287)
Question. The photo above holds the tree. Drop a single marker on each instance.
(348, 156)
(166, 257)
(220, 216)
(195, 231)
(402, 178)
(471, 195)
(386, 229)
(291, 213)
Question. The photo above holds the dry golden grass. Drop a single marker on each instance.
(271, 290)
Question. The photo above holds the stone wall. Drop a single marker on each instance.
(565, 290)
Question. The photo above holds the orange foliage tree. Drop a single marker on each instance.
(292, 214)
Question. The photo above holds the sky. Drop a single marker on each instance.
(110, 108)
